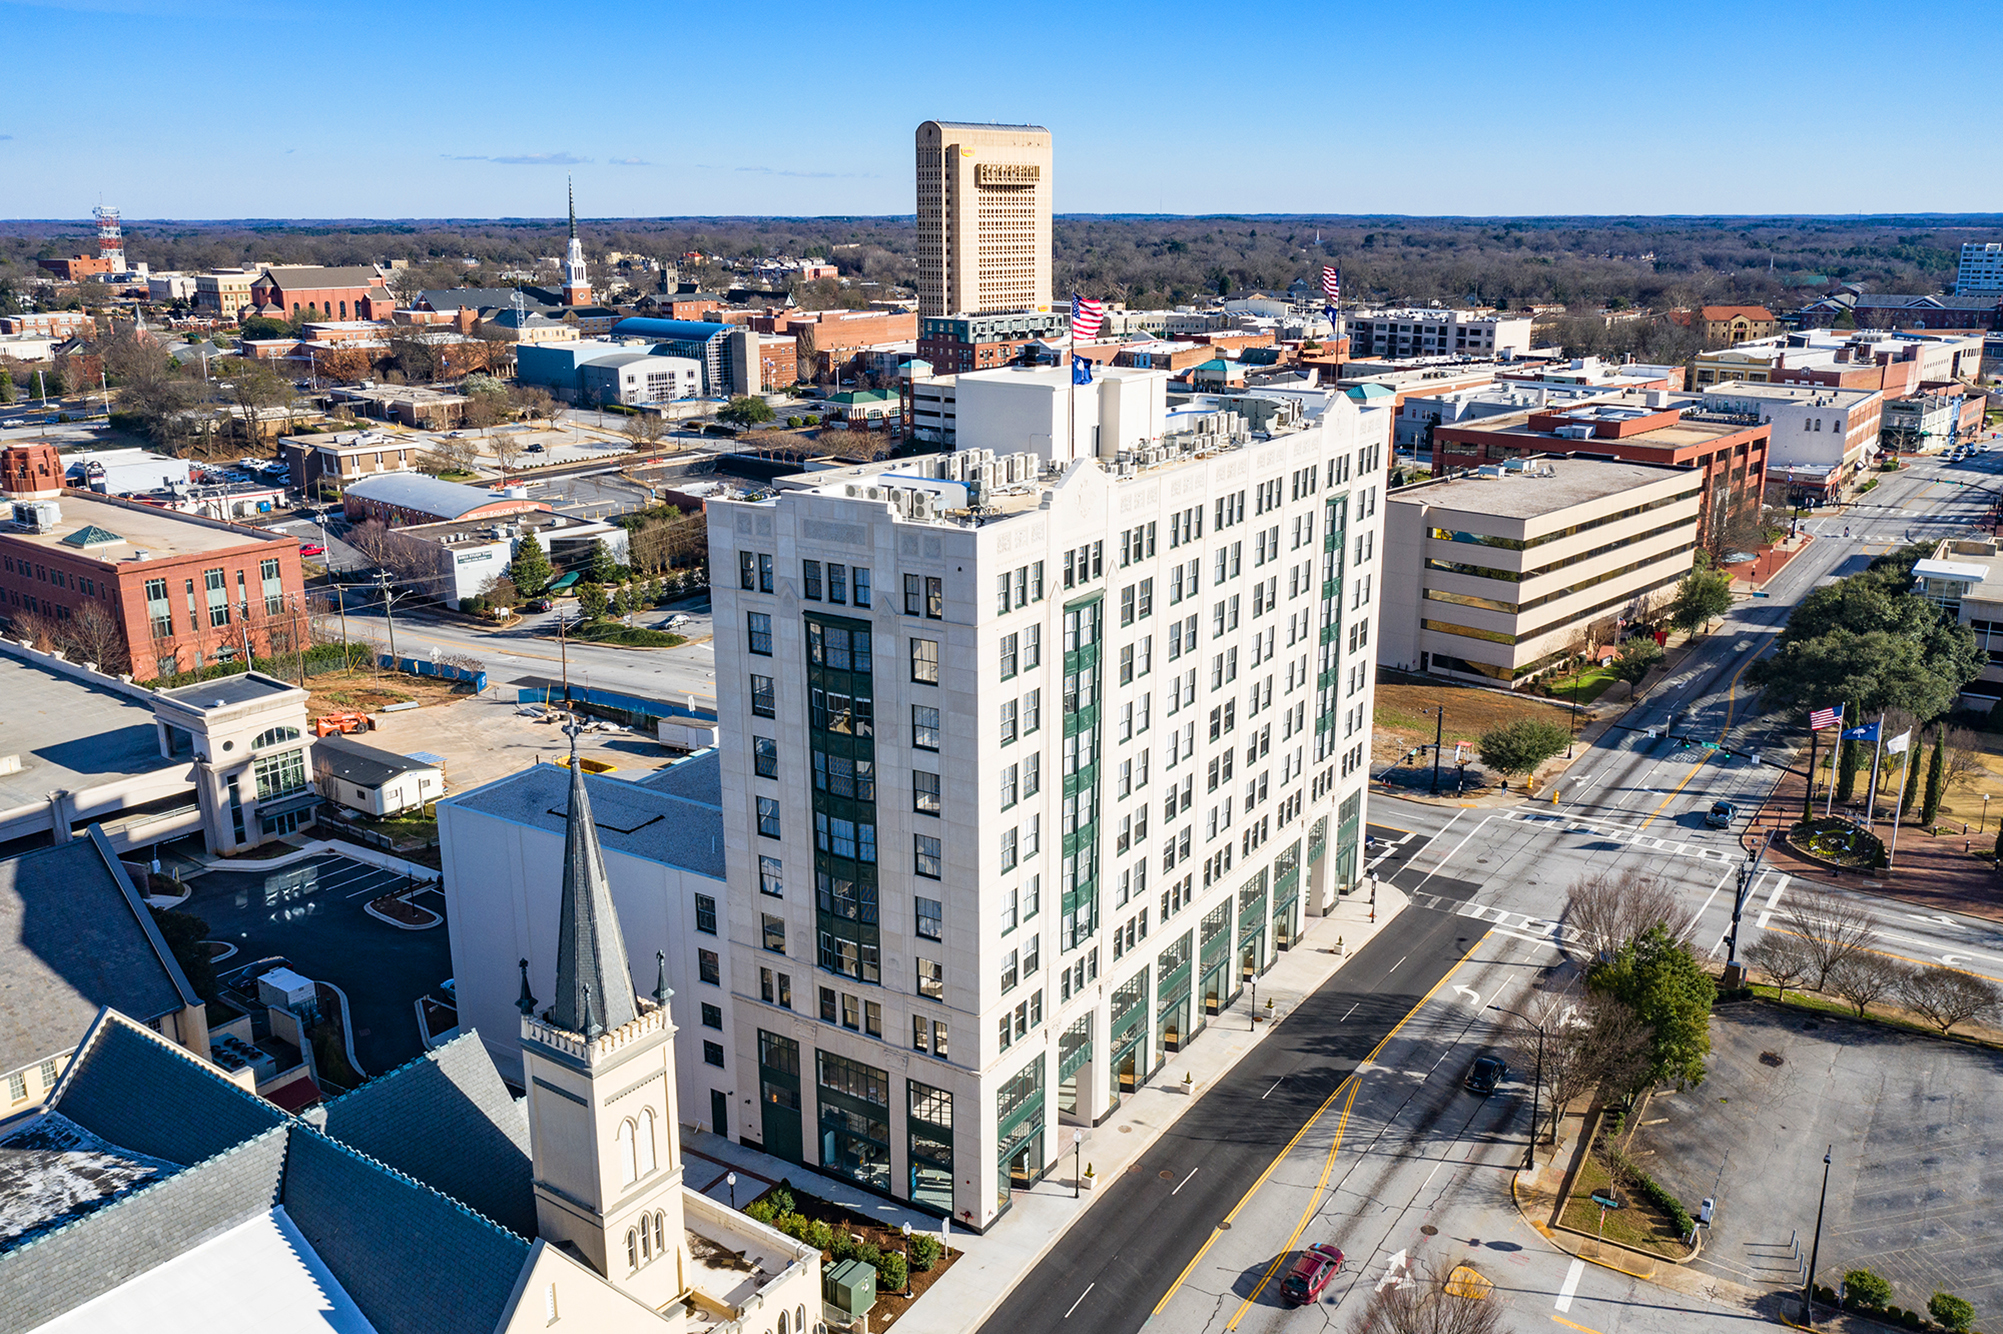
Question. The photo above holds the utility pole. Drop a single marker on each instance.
(298, 644)
(389, 615)
(1735, 972)
(563, 652)
(1439, 728)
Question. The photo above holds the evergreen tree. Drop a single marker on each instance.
(1847, 765)
(1910, 801)
(530, 568)
(591, 600)
(1936, 778)
(6, 386)
(604, 569)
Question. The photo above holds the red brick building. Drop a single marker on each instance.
(411, 497)
(184, 591)
(49, 323)
(77, 267)
(352, 293)
(1645, 427)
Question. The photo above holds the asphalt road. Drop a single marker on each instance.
(1150, 1223)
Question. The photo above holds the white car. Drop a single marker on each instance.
(12, 422)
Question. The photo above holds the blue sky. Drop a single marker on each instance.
(440, 108)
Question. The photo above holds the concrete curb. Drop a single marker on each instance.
(436, 920)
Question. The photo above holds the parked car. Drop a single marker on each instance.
(312, 549)
(676, 621)
(1304, 1282)
(12, 422)
(542, 604)
(1487, 1074)
(1721, 815)
(532, 449)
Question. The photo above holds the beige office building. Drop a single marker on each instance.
(983, 218)
(1500, 575)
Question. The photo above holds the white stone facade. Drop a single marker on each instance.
(936, 1051)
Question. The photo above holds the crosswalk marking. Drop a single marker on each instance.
(1574, 824)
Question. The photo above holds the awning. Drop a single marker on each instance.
(562, 583)
(298, 801)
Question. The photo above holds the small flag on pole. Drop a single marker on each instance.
(1086, 317)
(1081, 369)
(1823, 719)
(1898, 743)
(1867, 732)
(1331, 283)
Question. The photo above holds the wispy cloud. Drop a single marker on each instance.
(782, 171)
(520, 159)
(629, 162)
(6, 136)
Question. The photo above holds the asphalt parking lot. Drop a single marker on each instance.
(1917, 1129)
(311, 912)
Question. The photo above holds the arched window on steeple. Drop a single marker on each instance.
(632, 1249)
(645, 1141)
(785, 1322)
(626, 1153)
(660, 1234)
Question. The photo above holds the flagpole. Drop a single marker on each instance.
(1835, 748)
(1871, 793)
(1808, 802)
(1899, 809)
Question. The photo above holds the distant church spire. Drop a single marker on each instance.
(594, 984)
(576, 285)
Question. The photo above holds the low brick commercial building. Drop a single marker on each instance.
(183, 591)
(406, 498)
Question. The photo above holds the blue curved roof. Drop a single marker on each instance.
(679, 331)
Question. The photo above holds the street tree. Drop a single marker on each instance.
(1421, 1303)
(592, 601)
(1832, 928)
(746, 410)
(1663, 983)
(1946, 996)
(1965, 766)
(1702, 597)
(1867, 640)
(604, 565)
(95, 635)
(644, 429)
(1519, 747)
(1608, 910)
(486, 402)
(1862, 978)
(1783, 958)
(530, 569)
(1637, 657)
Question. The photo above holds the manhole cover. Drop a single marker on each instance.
(1134, 1170)
(1125, 1129)
(1224, 1226)
(1772, 1058)
(1429, 1230)
(1166, 1176)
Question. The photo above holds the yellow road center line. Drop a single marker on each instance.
(1300, 1134)
(1731, 708)
(1583, 1329)
(1307, 1214)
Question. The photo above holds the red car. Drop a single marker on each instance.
(1304, 1282)
(312, 549)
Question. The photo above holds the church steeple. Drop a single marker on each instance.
(594, 985)
(576, 286)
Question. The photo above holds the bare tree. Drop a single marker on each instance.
(1862, 978)
(42, 632)
(94, 635)
(1607, 910)
(644, 428)
(1831, 927)
(1596, 1042)
(506, 447)
(1946, 996)
(1964, 766)
(1423, 1304)
(1784, 959)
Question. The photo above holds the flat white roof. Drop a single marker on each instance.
(1951, 569)
(261, 1274)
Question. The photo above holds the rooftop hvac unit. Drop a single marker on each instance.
(38, 515)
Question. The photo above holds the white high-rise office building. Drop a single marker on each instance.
(1034, 754)
(1981, 270)
(983, 218)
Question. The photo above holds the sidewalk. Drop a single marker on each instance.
(994, 1263)
(1767, 562)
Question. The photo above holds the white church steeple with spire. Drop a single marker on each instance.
(576, 286)
(599, 1065)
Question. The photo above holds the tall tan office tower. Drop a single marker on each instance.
(983, 218)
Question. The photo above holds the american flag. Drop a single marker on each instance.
(1331, 282)
(1823, 719)
(1086, 317)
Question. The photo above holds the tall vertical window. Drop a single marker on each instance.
(810, 579)
(763, 702)
(929, 861)
(765, 756)
(860, 582)
(159, 611)
(274, 587)
(924, 727)
(925, 661)
(764, 573)
(771, 877)
(768, 817)
(925, 792)
(760, 625)
(217, 584)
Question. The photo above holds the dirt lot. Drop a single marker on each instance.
(483, 738)
(368, 691)
(1470, 712)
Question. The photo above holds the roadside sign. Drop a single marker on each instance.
(1607, 1201)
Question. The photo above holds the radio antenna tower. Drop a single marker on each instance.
(110, 238)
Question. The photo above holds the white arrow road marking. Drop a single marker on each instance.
(1571, 1286)
(1473, 996)
(1392, 1278)
(1941, 918)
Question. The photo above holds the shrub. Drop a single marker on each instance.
(1913, 1320)
(793, 422)
(819, 1235)
(870, 1254)
(890, 1272)
(762, 1210)
(794, 1225)
(1867, 1290)
(925, 1252)
(844, 1247)
(1950, 1311)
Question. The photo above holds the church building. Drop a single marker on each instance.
(429, 1201)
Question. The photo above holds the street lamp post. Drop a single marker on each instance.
(1815, 1250)
(1536, 1088)
(1985, 814)
(1574, 736)
(1735, 972)
(1077, 1170)
(730, 1179)
(906, 1229)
